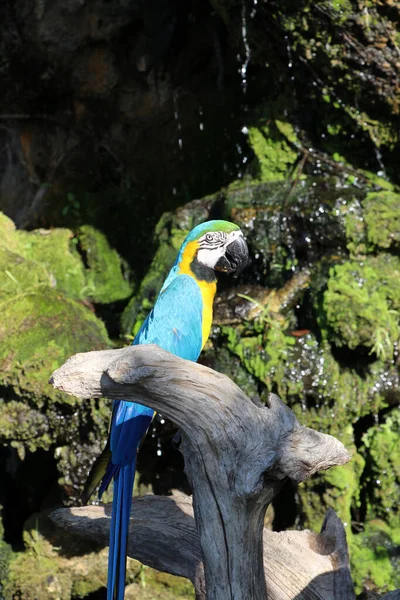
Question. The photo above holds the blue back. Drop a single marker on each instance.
(174, 324)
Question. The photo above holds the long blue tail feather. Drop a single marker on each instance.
(121, 512)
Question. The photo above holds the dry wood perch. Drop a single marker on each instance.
(237, 456)
(163, 535)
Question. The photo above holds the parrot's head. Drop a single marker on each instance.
(217, 246)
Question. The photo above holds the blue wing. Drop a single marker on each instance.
(174, 324)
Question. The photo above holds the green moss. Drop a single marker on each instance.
(18, 274)
(382, 219)
(361, 303)
(338, 488)
(274, 154)
(21, 426)
(51, 258)
(356, 237)
(154, 585)
(265, 354)
(5, 557)
(221, 359)
(372, 557)
(105, 280)
(379, 181)
(7, 232)
(382, 451)
(343, 483)
(56, 251)
(44, 571)
(38, 332)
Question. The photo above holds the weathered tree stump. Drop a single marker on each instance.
(237, 456)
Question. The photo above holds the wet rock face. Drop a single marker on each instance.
(314, 318)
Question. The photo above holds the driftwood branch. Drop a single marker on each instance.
(163, 535)
(237, 454)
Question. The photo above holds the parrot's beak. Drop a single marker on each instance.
(235, 258)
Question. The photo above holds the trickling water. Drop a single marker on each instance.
(201, 124)
(247, 52)
(290, 58)
(382, 172)
(178, 121)
(159, 448)
(254, 9)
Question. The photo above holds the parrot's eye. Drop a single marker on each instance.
(209, 237)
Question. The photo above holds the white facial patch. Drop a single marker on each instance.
(213, 245)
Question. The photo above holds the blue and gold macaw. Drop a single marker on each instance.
(180, 322)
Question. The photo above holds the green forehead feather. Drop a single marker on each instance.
(203, 228)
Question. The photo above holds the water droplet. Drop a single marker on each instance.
(247, 51)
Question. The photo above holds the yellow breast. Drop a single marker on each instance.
(207, 290)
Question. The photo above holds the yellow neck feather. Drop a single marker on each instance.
(207, 289)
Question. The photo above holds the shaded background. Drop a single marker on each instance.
(122, 125)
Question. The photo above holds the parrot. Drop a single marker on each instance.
(179, 322)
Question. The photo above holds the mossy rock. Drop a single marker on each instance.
(306, 375)
(381, 446)
(221, 360)
(274, 148)
(105, 280)
(361, 304)
(382, 219)
(82, 265)
(59, 566)
(41, 572)
(338, 488)
(7, 232)
(372, 224)
(18, 274)
(307, 228)
(154, 585)
(38, 332)
(21, 425)
(56, 251)
(42, 277)
(5, 557)
(374, 556)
